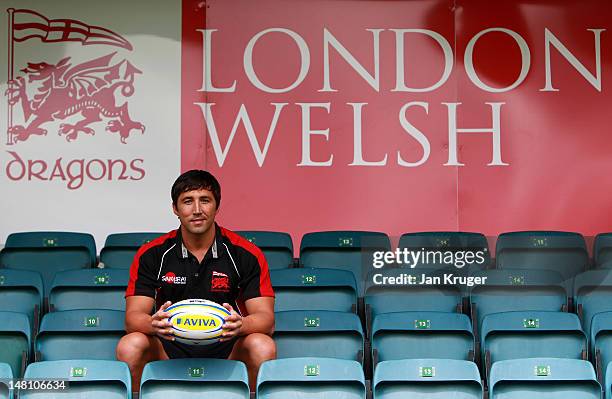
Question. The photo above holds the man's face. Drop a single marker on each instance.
(196, 209)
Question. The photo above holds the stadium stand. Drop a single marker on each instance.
(314, 289)
(194, 378)
(15, 341)
(427, 379)
(79, 334)
(517, 290)
(563, 252)
(312, 378)
(444, 241)
(543, 378)
(592, 294)
(5, 374)
(422, 335)
(319, 334)
(119, 248)
(345, 250)
(48, 253)
(517, 335)
(91, 379)
(22, 291)
(276, 246)
(89, 289)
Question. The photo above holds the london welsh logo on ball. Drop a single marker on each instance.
(65, 89)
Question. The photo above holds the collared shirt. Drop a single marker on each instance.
(233, 271)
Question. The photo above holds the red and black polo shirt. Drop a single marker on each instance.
(233, 271)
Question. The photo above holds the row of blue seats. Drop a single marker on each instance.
(94, 333)
(330, 289)
(315, 377)
(566, 253)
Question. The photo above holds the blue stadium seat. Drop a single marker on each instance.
(517, 290)
(194, 379)
(276, 246)
(592, 295)
(79, 334)
(427, 379)
(318, 333)
(602, 251)
(15, 341)
(5, 375)
(516, 335)
(608, 382)
(22, 291)
(48, 253)
(314, 289)
(345, 250)
(311, 378)
(422, 335)
(91, 379)
(89, 289)
(393, 297)
(120, 248)
(563, 252)
(455, 242)
(601, 342)
(543, 378)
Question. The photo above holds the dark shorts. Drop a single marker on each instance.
(177, 350)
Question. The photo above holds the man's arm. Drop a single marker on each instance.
(138, 317)
(259, 320)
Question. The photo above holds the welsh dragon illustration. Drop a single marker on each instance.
(63, 90)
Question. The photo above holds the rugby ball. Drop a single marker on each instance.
(197, 321)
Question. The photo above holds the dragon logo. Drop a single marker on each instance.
(57, 92)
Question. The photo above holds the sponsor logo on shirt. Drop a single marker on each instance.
(172, 278)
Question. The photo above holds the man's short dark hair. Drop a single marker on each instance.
(196, 180)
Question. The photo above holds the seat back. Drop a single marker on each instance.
(543, 378)
(91, 379)
(516, 335)
(15, 341)
(601, 340)
(422, 335)
(80, 334)
(344, 250)
(427, 379)
(21, 291)
(563, 252)
(517, 290)
(48, 253)
(194, 378)
(436, 247)
(314, 289)
(592, 295)
(6, 374)
(318, 334)
(89, 289)
(312, 378)
(602, 251)
(276, 246)
(405, 290)
(120, 248)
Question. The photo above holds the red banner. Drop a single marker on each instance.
(400, 116)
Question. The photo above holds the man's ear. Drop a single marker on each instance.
(174, 210)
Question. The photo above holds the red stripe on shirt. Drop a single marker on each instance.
(136, 262)
(265, 286)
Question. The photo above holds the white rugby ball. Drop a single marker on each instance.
(197, 321)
